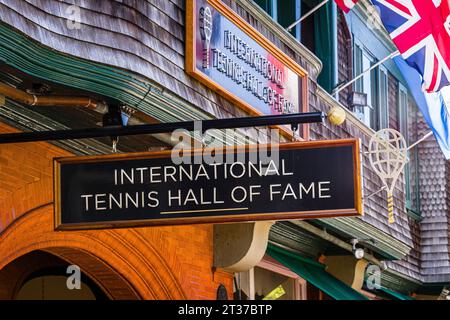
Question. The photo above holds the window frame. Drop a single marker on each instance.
(359, 86)
(403, 123)
(271, 265)
(382, 113)
(272, 8)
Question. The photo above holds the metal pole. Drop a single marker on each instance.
(320, 5)
(425, 137)
(271, 120)
(374, 193)
(345, 85)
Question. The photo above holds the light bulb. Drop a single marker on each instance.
(359, 253)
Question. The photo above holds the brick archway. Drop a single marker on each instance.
(122, 263)
(171, 262)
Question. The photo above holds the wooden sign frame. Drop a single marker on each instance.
(191, 68)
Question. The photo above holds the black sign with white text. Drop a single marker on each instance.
(293, 181)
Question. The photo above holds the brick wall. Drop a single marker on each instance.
(26, 186)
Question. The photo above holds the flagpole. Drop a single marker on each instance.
(320, 5)
(345, 85)
(425, 137)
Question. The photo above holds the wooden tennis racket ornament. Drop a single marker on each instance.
(388, 156)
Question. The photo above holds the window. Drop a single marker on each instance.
(286, 12)
(268, 6)
(274, 286)
(366, 84)
(403, 110)
(407, 122)
(270, 280)
(375, 85)
(383, 102)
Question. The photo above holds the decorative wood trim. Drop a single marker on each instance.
(191, 69)
(239, 247)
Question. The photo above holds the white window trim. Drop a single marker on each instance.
(402, 89)
(381, 107)
(369, 56)
(272, 265)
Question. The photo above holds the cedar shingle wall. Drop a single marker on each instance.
(142, 36)
(375, 207)
(405, 229)
(434, 182)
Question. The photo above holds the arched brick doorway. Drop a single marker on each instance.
(39, 275)
(172, 262)
(120, 262)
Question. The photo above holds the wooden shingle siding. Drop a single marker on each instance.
(435, 210)
(405, 228)
(429, 240)
(376, 206)
(136, 35)
(411, 264)
(375, 209)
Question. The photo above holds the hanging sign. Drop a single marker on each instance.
(227, 54)
(263, 182)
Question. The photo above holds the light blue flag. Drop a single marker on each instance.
(432, 106)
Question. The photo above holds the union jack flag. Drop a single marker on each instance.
(346, 5)
(421, 31)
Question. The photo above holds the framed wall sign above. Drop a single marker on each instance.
(228, 55)
(293, 181)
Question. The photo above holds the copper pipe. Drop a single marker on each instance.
(49, 101)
